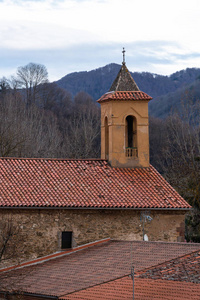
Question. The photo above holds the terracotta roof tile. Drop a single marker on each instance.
(90, 266)
(184, 268)
(125, 96)
(118, 289)
(143, 289)
(124, 88)
(83, 183)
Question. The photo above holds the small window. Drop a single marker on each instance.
(66, 239)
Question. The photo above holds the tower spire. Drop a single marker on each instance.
(123, 51)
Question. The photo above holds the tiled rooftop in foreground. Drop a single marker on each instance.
(178, 278)
(122, 289)
(183, 268)
(106, 261)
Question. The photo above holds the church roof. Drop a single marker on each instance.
(124, 88)
(83, 184)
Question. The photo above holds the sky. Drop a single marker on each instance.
(68, 36)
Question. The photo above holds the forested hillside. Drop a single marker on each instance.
(167, 91)
(163, 106)
(41, 119)
(97, 82)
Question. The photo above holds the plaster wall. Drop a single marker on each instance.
(116, 112)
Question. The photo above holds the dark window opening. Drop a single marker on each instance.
(129, 120)
(106, 139)
(66, 239)
(131, 137)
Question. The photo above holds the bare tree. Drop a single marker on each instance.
(11, 249)
(30, 78)
(178, 158)
(4, 85)
(12, 133)
(7, 232)
(82, 136)
(181, 156)
(27, 131)
(157, 141)
(11, 242)
(43, 135)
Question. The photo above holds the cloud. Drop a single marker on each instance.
(75, 35)
(160, 57)
(39, 35)
(109, 20)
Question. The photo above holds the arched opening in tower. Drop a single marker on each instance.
(131, 136)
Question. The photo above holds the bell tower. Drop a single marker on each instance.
(125, 123)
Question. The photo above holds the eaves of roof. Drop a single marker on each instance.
(124, 96)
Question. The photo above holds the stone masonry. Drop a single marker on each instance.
(39, 230)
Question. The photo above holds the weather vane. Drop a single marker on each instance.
(123, 56)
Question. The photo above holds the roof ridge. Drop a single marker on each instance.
(75, 159)
(161, 242)
(53, 159)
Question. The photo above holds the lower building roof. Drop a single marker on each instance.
(122, 289)
(178, 278)
(183, 268)
(93, 265)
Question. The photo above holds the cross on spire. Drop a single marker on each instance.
(123, 56)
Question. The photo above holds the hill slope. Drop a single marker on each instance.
(97, 82)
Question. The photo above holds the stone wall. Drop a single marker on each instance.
(38, 231)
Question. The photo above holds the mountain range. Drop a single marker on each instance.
(167, 91)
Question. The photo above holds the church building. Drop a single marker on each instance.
(55, 204)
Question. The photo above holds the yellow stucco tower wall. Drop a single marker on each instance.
(125, 123)
(116, 113)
